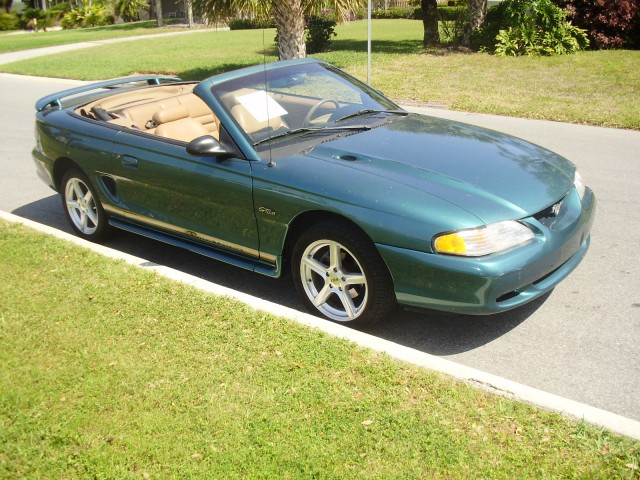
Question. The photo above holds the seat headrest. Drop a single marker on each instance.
(170, 114)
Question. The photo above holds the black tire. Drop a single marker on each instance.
(341, 276)
(82, 207)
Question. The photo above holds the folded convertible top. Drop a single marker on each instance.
(54, 100)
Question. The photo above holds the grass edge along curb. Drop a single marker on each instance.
(493, 383)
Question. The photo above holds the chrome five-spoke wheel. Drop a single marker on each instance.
(82, 206)
(333, 280)
(340, 274)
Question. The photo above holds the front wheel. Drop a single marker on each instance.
(340, 274)
(82, 207)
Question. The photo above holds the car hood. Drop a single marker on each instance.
(490, 174)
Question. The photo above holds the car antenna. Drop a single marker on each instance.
(266, 93)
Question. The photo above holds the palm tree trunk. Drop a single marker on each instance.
(289, 18)
(159, 12)
(477, 12)
(190, 13)
(430, 22)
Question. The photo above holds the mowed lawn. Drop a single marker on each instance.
(109, 371)
(597, 88)
(15, 41)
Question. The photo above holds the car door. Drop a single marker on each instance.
(208, 199)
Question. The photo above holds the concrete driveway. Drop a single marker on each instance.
(581, 341)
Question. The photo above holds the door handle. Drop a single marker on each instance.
(129, 162)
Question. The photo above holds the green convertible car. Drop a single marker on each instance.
(297, 167)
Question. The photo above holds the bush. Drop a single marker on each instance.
(71, 19)
(393, 13)
(634, 34)
(89, 16)
(452, 23)
(484, 38)
(319, 34)
(249, 24)
(451, 14)
(359, 14)
(529, 27)
(59, 10)
(130, 10)
(445, 13)
(8, 21)
(609, 24)
(35, 18)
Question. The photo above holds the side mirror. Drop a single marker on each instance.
(206, 146)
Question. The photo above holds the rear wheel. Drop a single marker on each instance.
(82, 207)
(340, 274)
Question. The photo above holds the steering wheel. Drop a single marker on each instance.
(309, 117)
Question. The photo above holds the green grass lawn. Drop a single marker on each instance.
(11, 42)
(109, 371)
(597, 88)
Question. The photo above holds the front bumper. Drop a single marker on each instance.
(500, 282)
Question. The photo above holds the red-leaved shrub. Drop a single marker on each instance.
(609, 23)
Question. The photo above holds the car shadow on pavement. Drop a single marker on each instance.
(444, 334)
(432, 332)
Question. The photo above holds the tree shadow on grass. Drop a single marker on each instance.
(131, 26)
(124, 27)
(201, 73)
(377, 46)
(270, 55)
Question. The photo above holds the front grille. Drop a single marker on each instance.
(549, 216)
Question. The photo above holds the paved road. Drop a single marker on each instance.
(581, 341)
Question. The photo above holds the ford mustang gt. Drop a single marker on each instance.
(296, 167)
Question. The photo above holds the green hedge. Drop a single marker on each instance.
(450, 14)
(445, 13)
(250, 24)
(8, 21)
(393, 13)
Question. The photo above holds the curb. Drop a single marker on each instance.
(484, 380)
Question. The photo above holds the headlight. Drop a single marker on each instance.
(476, 242)
(578, 183)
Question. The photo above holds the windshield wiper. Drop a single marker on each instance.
(369, 110)
(312, 129)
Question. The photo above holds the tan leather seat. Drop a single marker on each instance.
(175, 123)
(249, 123)
(200, 111)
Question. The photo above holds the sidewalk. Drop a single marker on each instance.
(11, 57)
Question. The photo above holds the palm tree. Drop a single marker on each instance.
(477, 14)
(190, 20)
(430, 23)
(129, 10)
(288, 16)
(159, 13)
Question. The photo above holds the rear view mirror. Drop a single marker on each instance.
(286, 81)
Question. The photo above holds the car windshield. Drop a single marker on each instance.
(288, 102)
